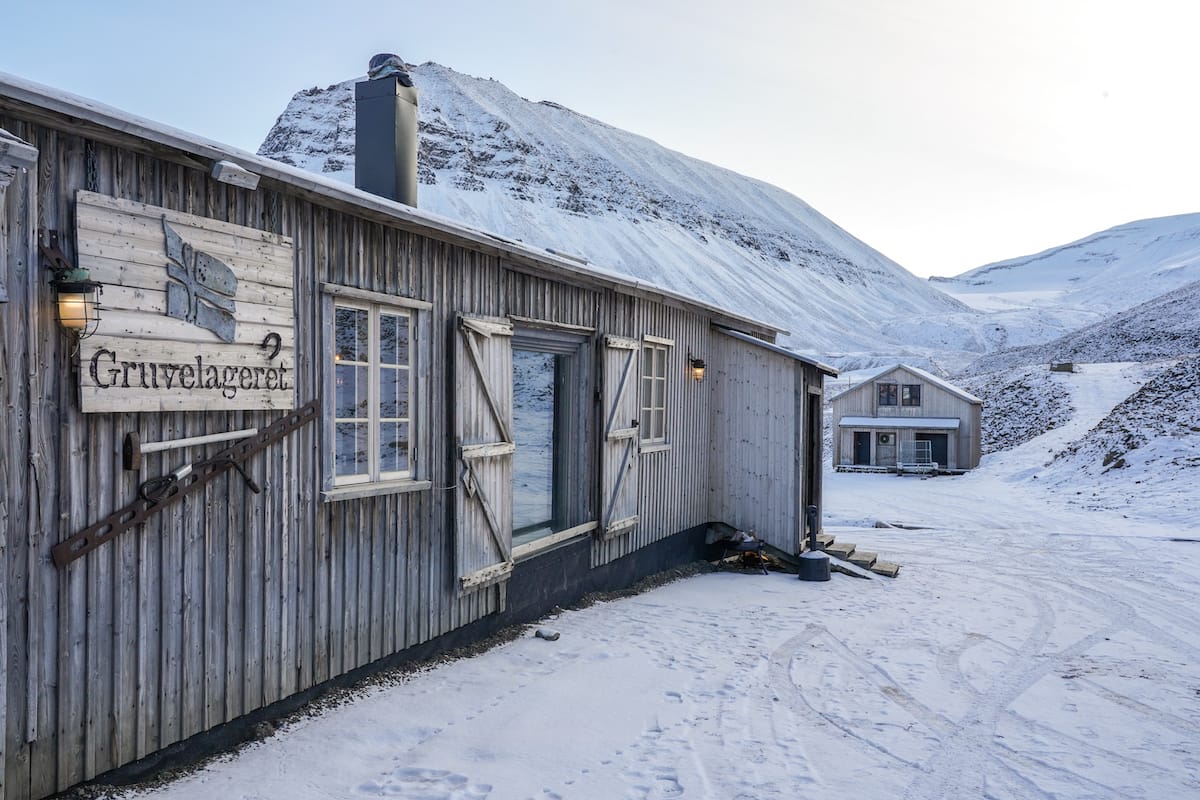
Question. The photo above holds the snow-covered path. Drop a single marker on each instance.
(1029, 649)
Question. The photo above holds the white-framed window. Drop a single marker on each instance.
(653, 423)
(373, 425)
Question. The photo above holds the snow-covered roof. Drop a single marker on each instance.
(941, 383)
(82, 108)
(937, 423)
(783, 351)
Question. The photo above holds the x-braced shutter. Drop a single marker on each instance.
(483, 427)
(619, 453)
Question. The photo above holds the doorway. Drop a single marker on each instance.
(862, 448)
(939, 447)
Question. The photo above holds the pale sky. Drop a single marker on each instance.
(944, 133)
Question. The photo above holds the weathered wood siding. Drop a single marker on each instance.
(672, 481)
(24, 466)
(755, 467)
(228, 601)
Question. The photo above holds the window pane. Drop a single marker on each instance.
(660, 362)
(660, 393)
(533, 433)
(393, 393)
(350, 457)
(351, 381)
(393, 447)
(350, 334)
(647, 391)
(647, 362)
(660, 424)
(393, 339)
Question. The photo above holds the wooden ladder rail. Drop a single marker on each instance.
(140, 510)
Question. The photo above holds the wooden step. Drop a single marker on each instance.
(863, 558)
(824, 540)
(886, 568)
(840, 550)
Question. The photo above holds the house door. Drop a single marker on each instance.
(939, 447)
(862, 448)
(483, 408)
(619, 437)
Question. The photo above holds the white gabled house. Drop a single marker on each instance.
(906, 418)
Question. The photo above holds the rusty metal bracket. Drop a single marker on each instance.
(140, 510)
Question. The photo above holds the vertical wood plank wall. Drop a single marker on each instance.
(673, 483)
(754, 470)
(229, 600)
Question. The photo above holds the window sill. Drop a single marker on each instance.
(537, 546)
(657, 447)
(359, 490)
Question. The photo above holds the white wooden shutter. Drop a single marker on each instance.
(619, 445)
(483, 428)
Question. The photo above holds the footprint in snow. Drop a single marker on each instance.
(424, 784)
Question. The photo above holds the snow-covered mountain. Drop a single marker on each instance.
(1106, 272)
(545, 175)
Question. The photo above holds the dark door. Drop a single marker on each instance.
(862, 447)
(939, 447)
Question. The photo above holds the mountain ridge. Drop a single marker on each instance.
(551, 177)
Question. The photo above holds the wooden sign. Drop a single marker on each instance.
(196, 314)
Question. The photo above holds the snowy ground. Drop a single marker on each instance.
(1030, 648)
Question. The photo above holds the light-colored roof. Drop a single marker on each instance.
(783, 351)
(90, 111)
(937, 423)
(941, 383)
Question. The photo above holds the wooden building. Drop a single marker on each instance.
(379, 355)
(906, 418)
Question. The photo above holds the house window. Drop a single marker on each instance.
(653, 423)
(887, 394)
(551, 391)
(910, 394)
(373, 392)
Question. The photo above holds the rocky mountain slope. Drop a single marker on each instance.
(1165, 327)
(545, 175)
(1145, 454)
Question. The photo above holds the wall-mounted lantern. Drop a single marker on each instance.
(78, 295)
(695, 368)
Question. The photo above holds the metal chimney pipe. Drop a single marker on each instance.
(386, 132)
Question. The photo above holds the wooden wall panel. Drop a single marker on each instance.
(230, 600)
(755, 441)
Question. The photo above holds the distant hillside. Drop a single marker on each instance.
(550, 177)
(1145, 453)
(1019, 404)
(1165, 327)
(1099, 274)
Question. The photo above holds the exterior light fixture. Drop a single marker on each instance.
(696, 368)
(78, 295)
